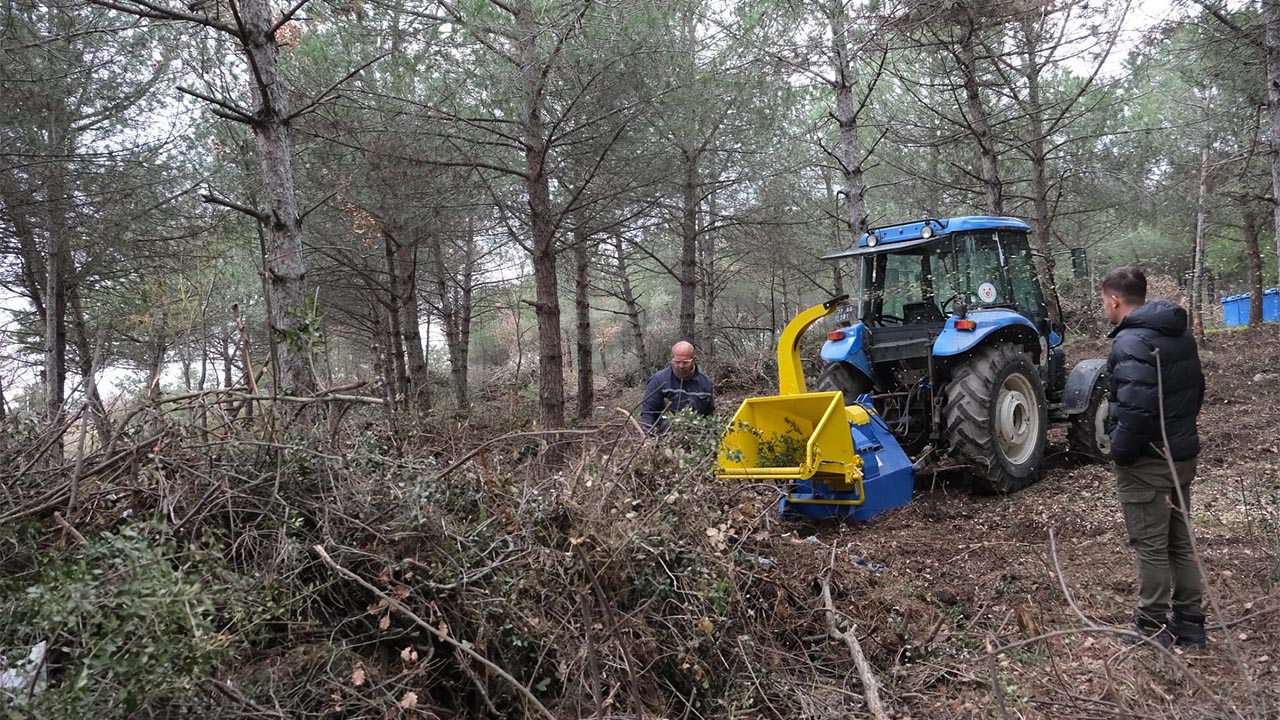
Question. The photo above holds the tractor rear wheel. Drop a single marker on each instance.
(997, 417)
(842, 377)
(1087, 435)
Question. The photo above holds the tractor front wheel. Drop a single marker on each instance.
(997, 417)
(1087, 435)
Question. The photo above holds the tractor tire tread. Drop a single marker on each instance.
(839, 376)
(967, 414)
(1081, 440)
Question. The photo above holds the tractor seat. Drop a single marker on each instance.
(922, 313)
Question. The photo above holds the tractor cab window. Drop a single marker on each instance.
(923, 283)
(902, 283)
(970, 270)
(990, 269)
(1022, 276)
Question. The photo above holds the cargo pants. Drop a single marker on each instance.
(1160, 534)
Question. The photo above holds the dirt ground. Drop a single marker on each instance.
(964, 573)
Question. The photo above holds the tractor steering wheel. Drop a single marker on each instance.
(947, 302)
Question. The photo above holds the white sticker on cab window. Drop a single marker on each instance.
(987, 292)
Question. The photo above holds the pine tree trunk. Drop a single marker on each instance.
(689, 248)
(86, 351)
(850, 148)
(1202, 212)
(632, 304)
(1253, 256)
(542, 220)
(285, 268)
(582, 306)
(707, 266)
(1040, 190)
(411, 335)
(395, 325)
(979, 124)
(1271, 18)
(56, 278)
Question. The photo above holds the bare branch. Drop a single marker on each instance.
(155, 12)
(288, 16)
(258, 215)
(230, 110)
(325, 95)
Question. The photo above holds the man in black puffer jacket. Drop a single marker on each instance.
(1152, 350)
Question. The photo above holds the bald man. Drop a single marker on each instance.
(675, 387)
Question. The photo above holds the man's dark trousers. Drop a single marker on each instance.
(1160, 535)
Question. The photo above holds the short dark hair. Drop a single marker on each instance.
(1129, 283)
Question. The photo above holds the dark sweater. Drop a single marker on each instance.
(667, 393)
(1159, 327)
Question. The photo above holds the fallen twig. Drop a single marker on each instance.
(870, 687)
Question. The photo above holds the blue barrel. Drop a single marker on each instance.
(1270, 305)
(1242, 309)
(1235, 310)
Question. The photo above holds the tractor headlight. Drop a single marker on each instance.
(926, 232)
(872, 240)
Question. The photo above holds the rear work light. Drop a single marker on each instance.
(966, 324)
(835, 335)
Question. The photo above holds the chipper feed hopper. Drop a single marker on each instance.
(835, 460)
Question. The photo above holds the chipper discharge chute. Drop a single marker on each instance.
(835, 460)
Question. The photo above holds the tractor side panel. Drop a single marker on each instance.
(852, 349)
(956, 342)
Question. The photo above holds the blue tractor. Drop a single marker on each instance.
(947, 335)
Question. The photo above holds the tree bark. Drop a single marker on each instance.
(286, 271)
(1040, 183)
(1202, 213)
(542, 221)
(411, 335)
(455, 289)
(708, 290)
(395, 326)
(689, 247)
(846, 116)
(57, 276)
(632, 304)
(86, 351)
(582, 306)
(1271, 19)
(979, 124)
(1253, 255)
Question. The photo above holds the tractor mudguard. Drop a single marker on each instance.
(1075, 398)
(852, 349)
(955, 342)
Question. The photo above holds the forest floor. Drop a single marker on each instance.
(964, 573)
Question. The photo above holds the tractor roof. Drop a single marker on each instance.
(890, 238)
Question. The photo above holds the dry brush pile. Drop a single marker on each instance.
(322, 561)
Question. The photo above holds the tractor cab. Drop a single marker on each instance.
(982, 263)
(936, 289)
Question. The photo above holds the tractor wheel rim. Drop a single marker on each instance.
(1017, 419)
(1101, 440)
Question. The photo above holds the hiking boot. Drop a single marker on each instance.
(1155, 629)
(1188, 628)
